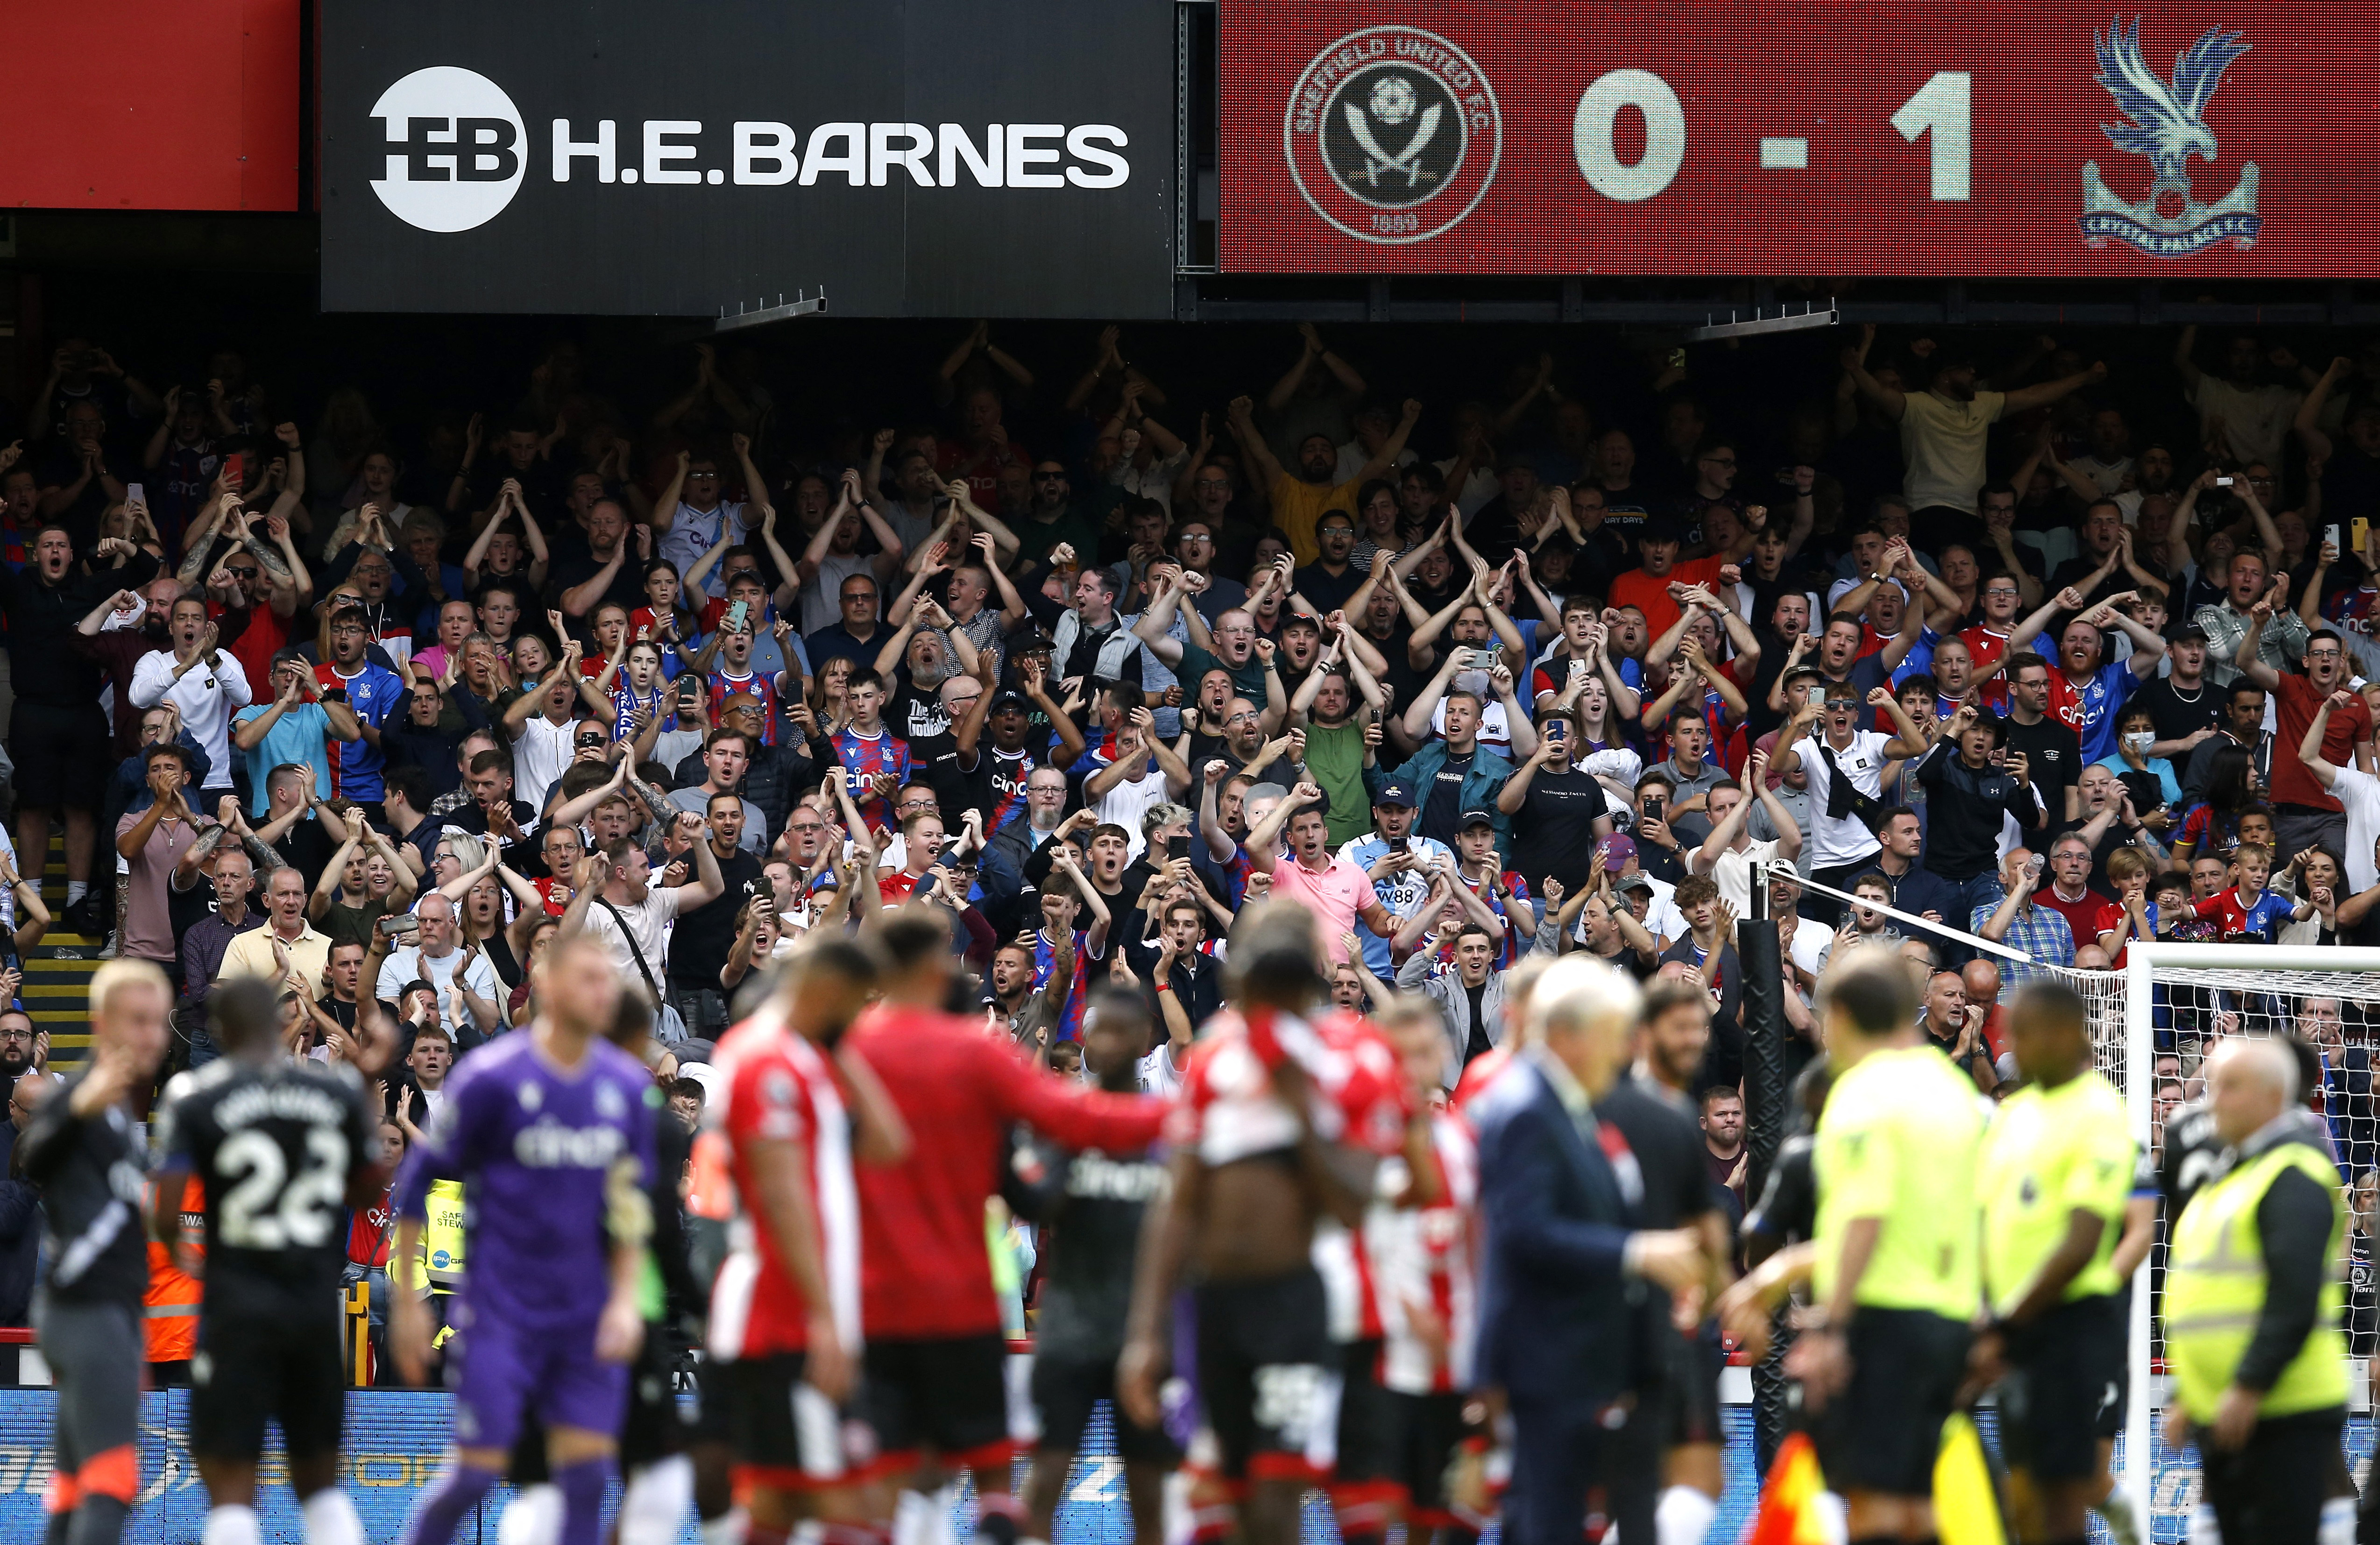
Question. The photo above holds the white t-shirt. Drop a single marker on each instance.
(410, 965)
(539, 757)
(2359, 792)
(1495, 727)
(207, 695)
(1943, 443)
(648, 921)
(1835, 843)
(1733, 874)
(822, 597)
(1128, 801)
(1159, 1075)
(2255, 421)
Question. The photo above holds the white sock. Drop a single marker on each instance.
(1685, 1516)
(532, 1517)
(912, 1514)
(727, 1528)
(76, 889)
(330, 1518)
(653, 1508)
(2338, 1526)
(232, 1526)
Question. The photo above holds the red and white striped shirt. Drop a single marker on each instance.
(1425, 1265)
(780, 1088)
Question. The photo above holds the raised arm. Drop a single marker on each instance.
(1888, 399)
(2308, 422)
(2026, 398)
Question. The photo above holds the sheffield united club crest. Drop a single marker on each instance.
(1393, 134)
(2166, 121)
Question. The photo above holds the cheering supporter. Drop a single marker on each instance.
(1268, 772)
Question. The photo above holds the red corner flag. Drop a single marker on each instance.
(1789, 1504)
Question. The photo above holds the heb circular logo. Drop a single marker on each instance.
(1393, 134)
(453, 159)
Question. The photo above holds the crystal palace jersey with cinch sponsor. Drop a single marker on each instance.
(1045, 960)
(866, 757)
(780, 1088)
(374, 692)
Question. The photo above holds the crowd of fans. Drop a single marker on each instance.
(2029, 651)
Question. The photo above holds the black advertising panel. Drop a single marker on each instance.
(904, 158)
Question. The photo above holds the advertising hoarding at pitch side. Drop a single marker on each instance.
(915, 157)
(2189, 142)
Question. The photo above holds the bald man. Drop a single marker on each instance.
(2253, 1309)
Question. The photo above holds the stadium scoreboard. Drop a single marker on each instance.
(1895, 137)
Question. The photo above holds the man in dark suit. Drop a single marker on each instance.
(1558, 1192)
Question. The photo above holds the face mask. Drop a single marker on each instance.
(2141, 740)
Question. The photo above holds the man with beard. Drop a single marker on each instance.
(1669, 1448)
(58, 739)
(1008, 897)
(2088, 689)
(1330, 579)
(140, 617)
(584, 581)
(1194, 547)
(1298, 502)
(1399, 864)
(1943, 428)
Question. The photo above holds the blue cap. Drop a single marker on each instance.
(1395, 792)
(1477, 815)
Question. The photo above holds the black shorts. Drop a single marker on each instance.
(1064, 1390)
(1425, 1431)
(252, 1367)
(652, 1430)
(784, 1434)
(1367, 1437)
(1881, 1432)
(950, 1395)
(1691, 1389)
(2060, 1370)
(1269, 1377)
(62, 755)
(710, 1402)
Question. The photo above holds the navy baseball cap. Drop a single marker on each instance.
(1395, 792)
(1009, 698)
(1478, 815)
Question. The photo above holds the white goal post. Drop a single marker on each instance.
(2270, 973)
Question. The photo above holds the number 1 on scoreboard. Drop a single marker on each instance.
(1940, 108)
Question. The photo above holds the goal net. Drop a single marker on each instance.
(2152, 1024)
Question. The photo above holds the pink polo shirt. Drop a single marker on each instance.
(1335, 895)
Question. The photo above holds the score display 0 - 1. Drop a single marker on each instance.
(1890, 139)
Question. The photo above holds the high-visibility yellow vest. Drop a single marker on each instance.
(439, 1259)
(2214, 1287)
